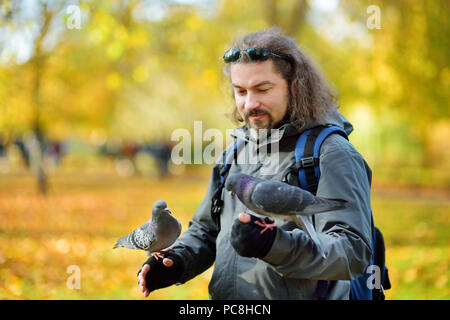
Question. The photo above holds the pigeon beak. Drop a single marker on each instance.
(168, 211)
(231, 193)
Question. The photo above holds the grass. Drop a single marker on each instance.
(416, 231)
(78, 222)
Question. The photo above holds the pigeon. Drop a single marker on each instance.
(278, 199)
(156, 234)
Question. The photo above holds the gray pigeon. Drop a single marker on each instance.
(156, 234)
(278, 199)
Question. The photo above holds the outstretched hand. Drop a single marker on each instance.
(143, 273)
(160, 273)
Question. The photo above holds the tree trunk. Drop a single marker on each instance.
(37, 65)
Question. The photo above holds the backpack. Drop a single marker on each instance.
(307, 170)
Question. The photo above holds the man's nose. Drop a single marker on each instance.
(251, 102)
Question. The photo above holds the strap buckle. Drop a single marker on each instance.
(307, 162)
(216, 207)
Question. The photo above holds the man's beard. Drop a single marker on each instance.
(271, 125)
(258, 111)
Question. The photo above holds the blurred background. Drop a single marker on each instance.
(91, 92)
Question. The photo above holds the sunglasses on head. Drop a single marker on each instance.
(256, 54)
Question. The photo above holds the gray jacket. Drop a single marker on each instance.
(291, 269)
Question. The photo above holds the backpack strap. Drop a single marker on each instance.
(307, 167)
(216, 200)
(359, 289)
(380, 261)
(307, 157)
(229, 160)
(307, 154)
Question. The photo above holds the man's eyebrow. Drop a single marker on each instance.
(256, 85)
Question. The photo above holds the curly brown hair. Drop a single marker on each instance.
(310, 95)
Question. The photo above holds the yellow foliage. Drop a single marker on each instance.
(113, 81)
(140, 74)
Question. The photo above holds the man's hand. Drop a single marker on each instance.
(252, 236)
(165, 272)
(143, 273)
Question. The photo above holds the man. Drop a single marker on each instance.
(275, 86)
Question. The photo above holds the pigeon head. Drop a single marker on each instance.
(239, 184)
(160, 207)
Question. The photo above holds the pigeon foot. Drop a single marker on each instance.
(266, 224)
(160, 254)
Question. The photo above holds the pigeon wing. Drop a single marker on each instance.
(143, 237)
(278, 198)
(283, 199)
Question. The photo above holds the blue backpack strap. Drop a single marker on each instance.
(307, 158)
(359, 289)
(307, 163)
(307, 154)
